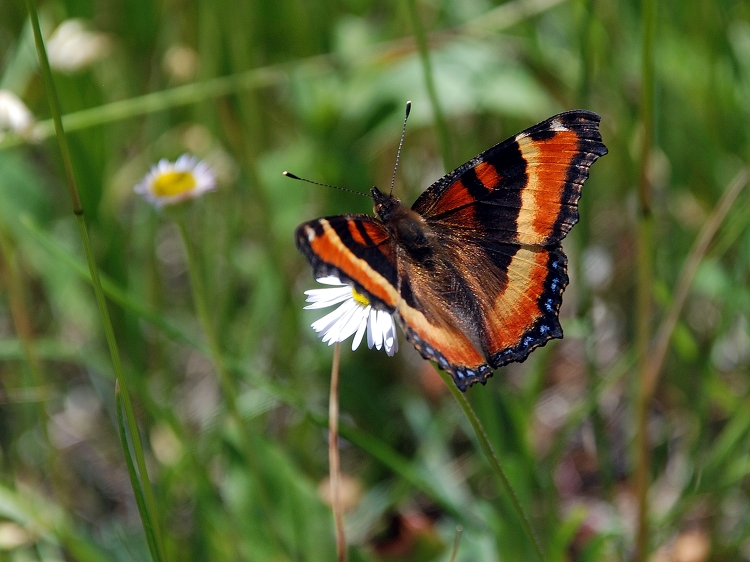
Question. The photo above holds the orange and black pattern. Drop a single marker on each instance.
(474, 271)
(357, 250)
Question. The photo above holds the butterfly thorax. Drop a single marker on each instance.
(406, 227)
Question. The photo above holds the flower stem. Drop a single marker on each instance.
(641, 476)
(201, 308)
(15, 288)
(333, 455)
(140, 500)
(140, 482)
(228, 388)
(456, 541)
(489, 453)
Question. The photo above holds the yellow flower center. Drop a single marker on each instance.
(170, 184)
(360, 298)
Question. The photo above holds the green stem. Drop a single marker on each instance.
(488, 24)
(642, 448)
(489, 453)
(140, 499)
(149, 516)
(429, 81)
(200, 300)
(456, 541)
(645, 283)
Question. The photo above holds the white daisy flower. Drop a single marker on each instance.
(355, 315)
(168, 183)
(14, 115)
(73, 47)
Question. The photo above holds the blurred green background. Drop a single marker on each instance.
(318, 88)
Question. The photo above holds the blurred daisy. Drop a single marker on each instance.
(72, 47)
(168, 183)
(181, 63)
(354, 316)
(14, 115)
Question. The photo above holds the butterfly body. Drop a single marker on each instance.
(474, 270)
(408, 230)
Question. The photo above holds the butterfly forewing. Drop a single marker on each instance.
(357, 250)
(523, 190)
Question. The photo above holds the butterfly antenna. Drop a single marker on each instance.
(400, 144)
(291, 175)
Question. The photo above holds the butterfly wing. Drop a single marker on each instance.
(499, 220)
(524, 190)
(474, 307)
(439, 313)
(519, 295)
(357, 250)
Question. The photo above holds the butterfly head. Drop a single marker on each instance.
(385, 205)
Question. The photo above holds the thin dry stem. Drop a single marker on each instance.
(654, 359)
(659, 349)
(333, 455)
(456, 541)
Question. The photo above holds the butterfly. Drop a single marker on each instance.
(474, 270)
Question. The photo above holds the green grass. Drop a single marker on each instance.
(230, 386)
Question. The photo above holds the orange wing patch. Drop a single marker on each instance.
(487, 174)
(525, 314)
(547, 165)
(330, 247)
(358, 230)
(326, 246)
(456, 196)
(449, 347)
(515, 309)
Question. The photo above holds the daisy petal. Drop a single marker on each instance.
(377, 333)
(352, 326)
(331, 280)
(342, 329)
(326, 323)
(361, 329)
(354, 315)
(322, 298)
(371, 327)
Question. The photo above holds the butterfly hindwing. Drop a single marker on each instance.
(486, 304)
(357, 250)
(439, 315)
(524, 315)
